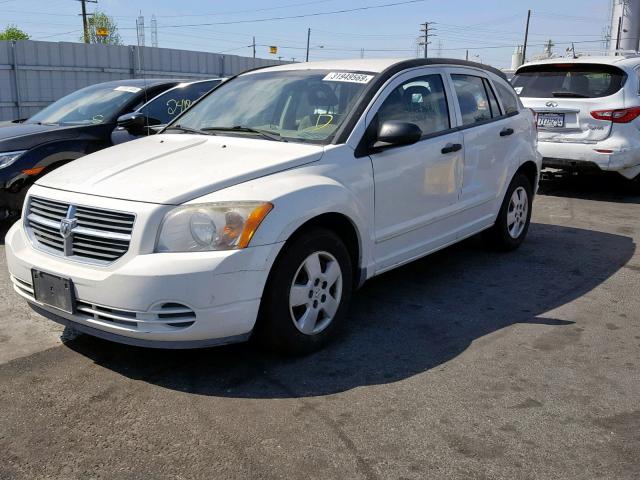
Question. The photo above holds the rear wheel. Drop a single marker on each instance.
(513, 220)
(307, 294)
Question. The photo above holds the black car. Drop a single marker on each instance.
(74, 126)
(154, 115)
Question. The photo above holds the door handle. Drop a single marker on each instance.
(506, 132)
(451, 147)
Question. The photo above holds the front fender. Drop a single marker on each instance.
(299, 198)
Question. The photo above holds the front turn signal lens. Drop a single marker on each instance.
(253, 222)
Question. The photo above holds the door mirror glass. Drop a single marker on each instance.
(395, 133)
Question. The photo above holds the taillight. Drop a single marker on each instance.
(622, 115)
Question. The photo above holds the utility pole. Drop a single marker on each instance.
(85, 20)
(467, 57)
(426, 34)
(254, 47)
(619, 36)
(154, 31)
(362, 53)
(526, 38)
(308, 40)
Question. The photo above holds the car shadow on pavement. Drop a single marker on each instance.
(604, 186)
(401, 323)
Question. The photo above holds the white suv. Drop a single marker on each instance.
(262, 206)
(588, 111)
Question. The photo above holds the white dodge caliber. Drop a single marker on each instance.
(261, 208)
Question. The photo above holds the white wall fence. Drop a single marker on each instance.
(34, 74)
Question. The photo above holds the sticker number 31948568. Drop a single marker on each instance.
(348, 77)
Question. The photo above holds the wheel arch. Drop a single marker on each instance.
(345, 228)
(530, 170)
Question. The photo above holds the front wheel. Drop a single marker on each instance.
(513, 220)
(307, 294)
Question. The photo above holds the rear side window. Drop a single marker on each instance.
(493, 102)
(574, 80)
(509, 99)
(472, 98)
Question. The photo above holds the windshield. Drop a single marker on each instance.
(300, 106)
(574, 80)
(169, 105)
(91, 105)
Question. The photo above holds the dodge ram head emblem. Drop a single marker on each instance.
(66, 225)
(552, 104)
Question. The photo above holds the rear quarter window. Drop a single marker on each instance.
(574, 80)
(508, 97)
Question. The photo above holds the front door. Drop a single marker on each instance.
(416, 186)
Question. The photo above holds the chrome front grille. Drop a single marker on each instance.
(79, 232)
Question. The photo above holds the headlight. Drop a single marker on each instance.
(7, 158)
(211, 226)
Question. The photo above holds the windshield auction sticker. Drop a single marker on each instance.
(127, 89)
(348, 77)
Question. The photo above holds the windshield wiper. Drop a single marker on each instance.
(239, 128)
(187, 130)
(569, 94)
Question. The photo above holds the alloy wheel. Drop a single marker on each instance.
(315, 293)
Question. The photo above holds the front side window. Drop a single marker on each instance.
(170, 104)
(472, 98)
(294, 105)
(573, 80)
(91, 105)
(421, 101)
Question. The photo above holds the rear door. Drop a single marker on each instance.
(564, 95)
(488, 139)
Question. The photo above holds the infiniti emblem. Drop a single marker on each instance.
(552, 104)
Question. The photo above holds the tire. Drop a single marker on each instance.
(513, 220)
(307, 294)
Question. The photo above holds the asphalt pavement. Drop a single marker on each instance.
(467, 364)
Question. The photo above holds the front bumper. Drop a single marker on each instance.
(166, 300)
(624, 159)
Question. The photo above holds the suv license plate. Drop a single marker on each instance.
(53, 291)
(551, 120)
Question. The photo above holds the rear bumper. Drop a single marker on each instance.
(607, 155)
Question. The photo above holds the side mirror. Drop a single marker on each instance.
(134, 123)
(393, 133)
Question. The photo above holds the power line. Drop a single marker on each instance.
(253, 10)
(289, 17)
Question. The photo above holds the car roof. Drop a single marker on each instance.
(630, 60)
(200, 80)
(378, 65)
(141, 82)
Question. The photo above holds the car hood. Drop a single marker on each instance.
(23, 136)
(176, 168)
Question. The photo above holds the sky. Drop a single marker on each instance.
(489, 29)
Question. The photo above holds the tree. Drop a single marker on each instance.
(13, 33)
(102, 21)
